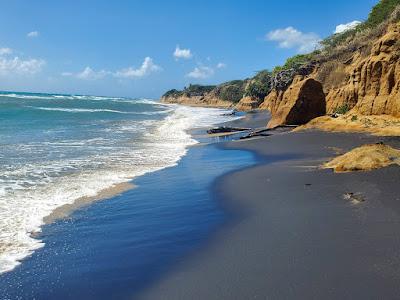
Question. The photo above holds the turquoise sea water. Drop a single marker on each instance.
(55, 149)
(116, 248)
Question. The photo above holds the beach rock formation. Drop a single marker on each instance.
(365, 158)
(303, 101)
(247, 103)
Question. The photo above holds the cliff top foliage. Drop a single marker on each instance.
(386, 11)
(190, 91)
(259, 86)
(295, 62)
(231, 91)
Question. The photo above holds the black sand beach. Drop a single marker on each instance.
(293, 234)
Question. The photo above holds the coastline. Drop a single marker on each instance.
(294, 234)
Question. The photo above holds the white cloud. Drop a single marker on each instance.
(4, 51)
(87, 74)
(201, 72)
(344, 27)
(33, 34)
(182, 53)
(221, 65)
(14, 65)
(147, 67)
(20, 66)
(292, 38)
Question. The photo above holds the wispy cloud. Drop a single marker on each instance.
(15, 65)
(201, 72)
(5, 51)
(182, 53)
(221, 65)
(147, 67)
(87, 74)
(290, 37)
(344, 27)
(33, 34)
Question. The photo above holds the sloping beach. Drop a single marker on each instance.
(297, 231)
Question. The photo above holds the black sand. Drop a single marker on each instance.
(293, 235)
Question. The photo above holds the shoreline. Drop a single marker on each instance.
(289, 218)
(135, 237)
(66, 210)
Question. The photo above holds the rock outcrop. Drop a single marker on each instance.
(246, 104)
(300, 103)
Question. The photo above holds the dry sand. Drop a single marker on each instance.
(381, 125)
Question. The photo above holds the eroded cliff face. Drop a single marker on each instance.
(368, 84)
(373, 87)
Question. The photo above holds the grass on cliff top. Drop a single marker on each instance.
(383, 13)
(365, 158)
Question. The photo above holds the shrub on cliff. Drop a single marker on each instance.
(231, 91)
(259, 86)
(295, 62)
(197, 90)
(172, 93)
(386, 11)
(190, 91)
(381, 12)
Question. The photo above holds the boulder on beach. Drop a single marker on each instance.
(303, 101)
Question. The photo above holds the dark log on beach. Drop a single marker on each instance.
(224, 129)
(268, 131)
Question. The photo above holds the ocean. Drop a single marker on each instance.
(56, 149)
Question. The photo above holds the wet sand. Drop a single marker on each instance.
(65, 210)
(293, 233)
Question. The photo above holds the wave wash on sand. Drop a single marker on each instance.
(61, 157)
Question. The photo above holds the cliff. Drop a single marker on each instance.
(359, 73)
(355, 73)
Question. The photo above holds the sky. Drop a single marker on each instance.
(144, 48)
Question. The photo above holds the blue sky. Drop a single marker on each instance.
(143, 48)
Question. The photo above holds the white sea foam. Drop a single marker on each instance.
(97, 110)
(31, 191)
(79, 110)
